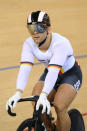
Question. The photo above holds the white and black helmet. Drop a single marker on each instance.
(39, 17)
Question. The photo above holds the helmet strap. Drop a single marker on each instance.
(42, 42)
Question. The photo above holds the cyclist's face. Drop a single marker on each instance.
(38, 32)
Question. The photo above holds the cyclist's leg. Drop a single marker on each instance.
(67, 88)
(38, 88)
(63, 98)
(48, 124)
(36, 91)
(39, 85)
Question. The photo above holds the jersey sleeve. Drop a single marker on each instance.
(27, 56)
(27, 60)
(23, 76)
(58, 59)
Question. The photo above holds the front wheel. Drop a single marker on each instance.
(77, 122)
(26, 125)
(31, 125)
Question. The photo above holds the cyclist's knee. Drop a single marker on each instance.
(37, 88)
(51, 96)
(59, 107)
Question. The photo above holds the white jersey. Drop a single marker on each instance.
(58, 59)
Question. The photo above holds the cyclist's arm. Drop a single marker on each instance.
(27, 60)
(57, 61)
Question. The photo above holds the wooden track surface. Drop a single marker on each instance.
(68, 18)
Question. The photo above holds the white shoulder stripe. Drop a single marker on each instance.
(41, 15)
(29, 19)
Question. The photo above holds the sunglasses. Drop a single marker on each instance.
(39, 28)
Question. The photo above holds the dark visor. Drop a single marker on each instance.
(40, 28)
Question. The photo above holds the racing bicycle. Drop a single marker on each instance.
(36, 123)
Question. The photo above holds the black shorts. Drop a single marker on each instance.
(73, 77)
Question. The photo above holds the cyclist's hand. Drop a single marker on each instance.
(44, 102)
(13, 100)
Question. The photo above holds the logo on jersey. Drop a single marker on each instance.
(77, 85)
(45, 61)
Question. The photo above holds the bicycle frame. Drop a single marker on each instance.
(77, 122)
(36, 114)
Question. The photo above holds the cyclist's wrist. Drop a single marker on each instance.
(19, 93)
(19, 90)
(44, 93)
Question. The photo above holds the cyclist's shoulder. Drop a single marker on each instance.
(28, 43)
(59, 36)
(58, 39)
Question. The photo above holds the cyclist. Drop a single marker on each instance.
(62, 76)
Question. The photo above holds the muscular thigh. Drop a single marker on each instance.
(39, 85)
(38, 88)
(64, 96)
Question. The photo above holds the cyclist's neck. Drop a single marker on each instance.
(46, 45)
